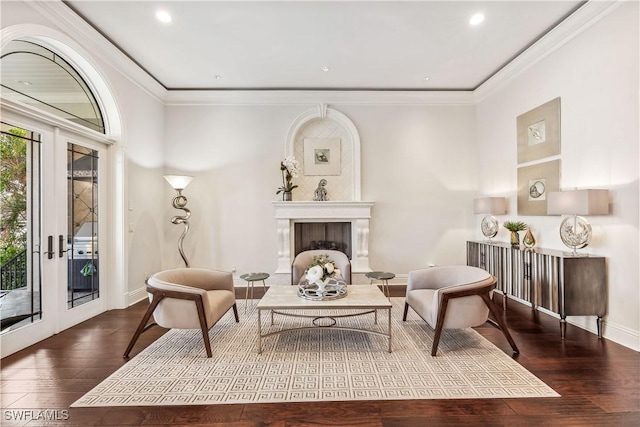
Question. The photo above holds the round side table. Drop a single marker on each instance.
(250, 278)
(384, 277)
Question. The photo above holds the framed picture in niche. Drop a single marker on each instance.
(539, 132)
(534, 183)
(322, 156)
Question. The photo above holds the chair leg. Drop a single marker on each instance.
(203, 325)
(143, 323)
(501, 323)
(235, 312)
(439, 324)
(406, 310)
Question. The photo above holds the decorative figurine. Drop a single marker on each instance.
(320, 195)
(529, 241)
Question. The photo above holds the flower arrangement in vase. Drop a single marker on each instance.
(514, 227)
(290, 169)
(321, 270)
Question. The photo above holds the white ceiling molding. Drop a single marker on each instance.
(575, 24)
(306, 97)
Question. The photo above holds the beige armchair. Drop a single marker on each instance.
(187, 298)
(453, 297)
(303, 259)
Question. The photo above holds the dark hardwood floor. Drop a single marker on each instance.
(599, 382)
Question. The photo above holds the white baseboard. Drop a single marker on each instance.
(611, 331)
(136, 295)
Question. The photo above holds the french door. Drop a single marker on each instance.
(57, 279)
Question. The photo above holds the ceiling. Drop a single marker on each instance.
(396, 45)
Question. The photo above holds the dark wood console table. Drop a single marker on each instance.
(557, 281)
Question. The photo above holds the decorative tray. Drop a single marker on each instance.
(332, 290)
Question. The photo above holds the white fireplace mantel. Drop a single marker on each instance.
(358, 213)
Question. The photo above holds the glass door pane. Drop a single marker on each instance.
(82, 239)
(20, 227)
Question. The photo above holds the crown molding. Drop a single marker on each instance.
(314, 97)
(96, 45)
(575, 24)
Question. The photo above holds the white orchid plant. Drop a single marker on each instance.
(321, 269)
(290, 169)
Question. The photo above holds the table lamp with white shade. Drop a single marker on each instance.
(491, 206)
(575, 231)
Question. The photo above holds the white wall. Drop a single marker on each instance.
(418, 166)
(234, 154)
(596, 75)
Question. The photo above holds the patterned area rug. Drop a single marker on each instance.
(315, 365)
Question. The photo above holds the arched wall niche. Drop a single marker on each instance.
(326, 123)
(344, 204)
(75, 55)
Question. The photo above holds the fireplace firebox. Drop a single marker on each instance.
(322, 235)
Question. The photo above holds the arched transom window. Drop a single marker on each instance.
(36, 76)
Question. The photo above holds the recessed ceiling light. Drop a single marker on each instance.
(25, 82)
(426, 78)
(476, 19)
(163, 16)
(217, 77)
(325, 68)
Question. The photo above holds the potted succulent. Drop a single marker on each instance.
(514, 227)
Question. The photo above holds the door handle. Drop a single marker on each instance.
(49, 251)
(60, 246)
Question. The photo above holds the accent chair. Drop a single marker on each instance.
(453, 297)
(187, 298)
